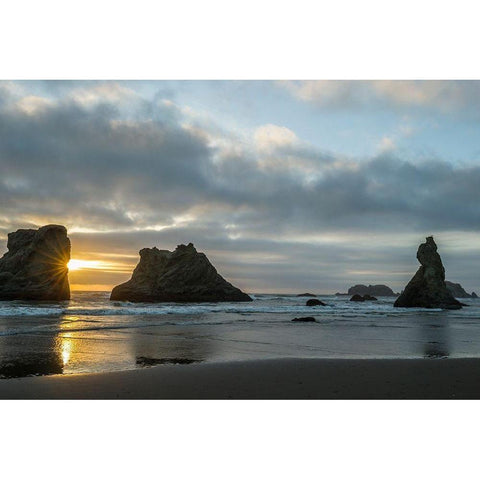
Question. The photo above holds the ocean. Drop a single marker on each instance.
(90, 333)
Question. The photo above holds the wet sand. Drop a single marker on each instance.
(265, 379)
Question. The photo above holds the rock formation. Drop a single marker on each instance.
(306, 295)
(363, 298)
(427, 288)
(357, 298)
(35, 266)
(374, 290)
(474, 295)
(457, 290)
(183, 275)
(313, 302)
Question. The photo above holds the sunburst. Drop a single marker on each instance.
(75, 264)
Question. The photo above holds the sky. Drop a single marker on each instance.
(286, 186)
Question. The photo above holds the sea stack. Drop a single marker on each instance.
(183, 275)
(427, 288)
(35, 266)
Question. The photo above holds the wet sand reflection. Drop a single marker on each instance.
(435, 334)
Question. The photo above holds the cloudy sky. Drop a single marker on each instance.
(287, 186)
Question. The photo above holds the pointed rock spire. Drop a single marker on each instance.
(427, 288)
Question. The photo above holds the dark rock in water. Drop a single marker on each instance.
(313, 302)
(150, 362)
(474, 295)
(306, 295)
(363, 298)
(35, 266)
(427, 288)
(357, 298)
(183, 275)
(378, 290)
(303, 319)
(456, 290)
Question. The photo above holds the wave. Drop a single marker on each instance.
(197, 309)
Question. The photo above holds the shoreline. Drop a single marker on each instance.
(284, 378)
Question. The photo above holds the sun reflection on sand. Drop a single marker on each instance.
(81, 348)
(66, 348)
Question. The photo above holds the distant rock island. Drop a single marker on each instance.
(427, 288)
(35, 266)
(370, 290)
(183, 275)
(458, 291)
(373, 290)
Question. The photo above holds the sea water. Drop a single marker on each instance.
(90, 333)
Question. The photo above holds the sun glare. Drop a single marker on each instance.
(75, 264)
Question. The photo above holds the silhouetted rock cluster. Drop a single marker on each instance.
(35, 266)
(457, 290)
(427, 288)
(378, 290)
(183, 275)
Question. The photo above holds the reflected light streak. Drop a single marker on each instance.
(67, 345)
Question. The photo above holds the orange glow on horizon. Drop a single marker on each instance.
(97, 274)
(94, 287)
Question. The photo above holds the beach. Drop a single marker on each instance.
(90, 347)
(265, 379)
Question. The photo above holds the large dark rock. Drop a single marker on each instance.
(314, 302)
(373, 290)
(427, 288)
(457, 290)
(183, 275)
(35, 266)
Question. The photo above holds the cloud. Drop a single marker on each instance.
(270, 137)
(107, 92)
(386, 144)
(439, 95)
(32, 105)
(123, 172)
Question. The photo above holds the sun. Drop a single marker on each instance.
(75, 264)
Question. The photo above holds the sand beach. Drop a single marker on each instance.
(265, 379)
